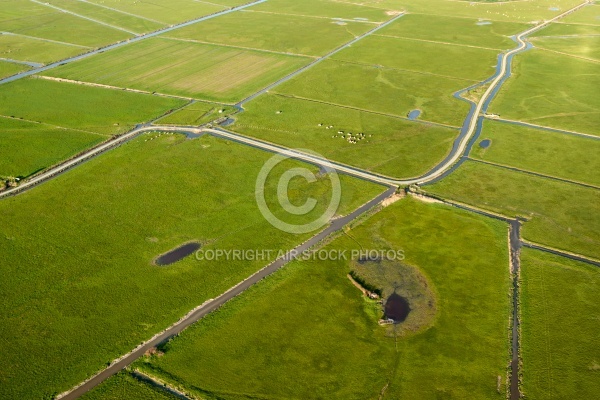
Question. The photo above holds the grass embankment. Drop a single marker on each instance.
(80, 288)
(124, 386)
(308, 332)
(184, 68)
(560, 323)
(197, 113)
(555, 154)
(391, 146)
(561, 215)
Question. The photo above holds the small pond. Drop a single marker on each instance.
(396, 308)
(178, 254)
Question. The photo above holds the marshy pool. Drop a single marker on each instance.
(485, 143)
(414, 114)
(396, 308)
(177, 254)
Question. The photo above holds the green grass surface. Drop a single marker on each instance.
(556, 154)
(170, 12)
(108, 16)
(587, 47)
(124, 386)
(560, 30)
(26, 147)
(32, 19)
(69, 105)
(381, 89)
(184, 68)
(307, 332)
(27, 49)
(587, 15)
(392, 146)
(79, 285)
(561, 215)
(455, 30)
(322, 8)
(552, 90)
(8, 68)
(560, 323)
(423, 57)
(197, 113)
(281, 33)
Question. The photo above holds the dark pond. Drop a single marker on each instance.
(396, 308)
(178, 254)
(414, 114)
(485, 143)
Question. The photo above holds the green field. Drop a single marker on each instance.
(79, 285)
(465, 31)
(124, 386)
(307, 332)
(28, 49)
(391, 146)
(586, 47)
(197, 113)
(8, 68)
(170, 12)
(27, 147)
(31, 19)
(589, 15)
(552, 90)
(183, 68)
(562, 30)
(274, 32)
(423, 57)
(323, 8)
(92, 109)
(108, 16)
(382, 90)
(561, 215)
(556, 154)
(560, 324)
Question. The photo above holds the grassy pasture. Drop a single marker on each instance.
(455, 30)
(124, 386)
(183, 68)
(381, 89)
(515, 11)
(281, 33)
(8, 68)
(26, 147)
(392, 147)
(556, 154)
(36, 20)
(170, 12)
(80, 286)
(587, 47)
(562, 29)
(560, 324)
(197, 113)
(587, 15)
(552, 90)
(561, 215)
(323, 8)
(104, 111)
(27, 49)
(308, 333)
(423, 57)
(108, 16)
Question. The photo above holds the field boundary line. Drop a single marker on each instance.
(592, 60)
(562, 253)
(411, 71)
(122, 12)
(19, 62)
(84, 17)
(422, 121)
(440, 42)
(159, 384)
(542, 127)
(534, 173)
(45, 40)
(237, 47)
(106, 135)
(332, 19)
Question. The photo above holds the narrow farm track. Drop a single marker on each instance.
(125, 42)
(544, 128)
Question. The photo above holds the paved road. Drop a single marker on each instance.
(214, 304)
